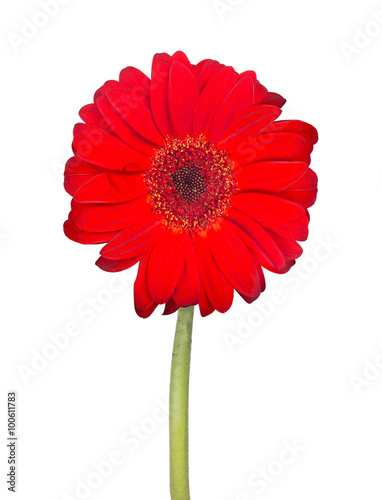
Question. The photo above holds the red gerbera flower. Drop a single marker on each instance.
(190, 175)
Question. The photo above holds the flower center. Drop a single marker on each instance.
(190, 183)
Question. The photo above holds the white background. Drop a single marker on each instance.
(298, 373)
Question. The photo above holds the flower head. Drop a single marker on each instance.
(189, 174)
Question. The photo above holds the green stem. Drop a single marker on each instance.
(179, 384)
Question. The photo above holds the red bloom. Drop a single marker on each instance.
(190, 175)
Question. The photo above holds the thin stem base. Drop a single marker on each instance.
(179, 390)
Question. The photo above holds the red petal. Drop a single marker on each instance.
(147, 312)
(161, 57)
(165, 265)
(73, 182)
(260, 93)
(210, 99)
(111, 188)
(144, 304)
(98, 93)
(135, 80)
(289, 248)
(304, 130)
(180, 57)
(250, 73)
(91, 115)
(78, 172)
(237, 101)
(205, 70)
(186, 292)
(96, 146)
(171, 307)
(75, 211)
(183, 95)
(134, 241)
(123, 130)
(234, 259)
(274, 100)
(267, 209)
(267, 251)
(307, 131)
(135, 113)
(295, 230)
(100, 218)
(205, 306)
(219, 292)
(74, 233)
(268, 146)
(114, 266)
(269, 175)
(249, 126)
(109, 85)
(159, 98)
(260, 240)
(76, 166)
(303, 191)
(272, 250)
